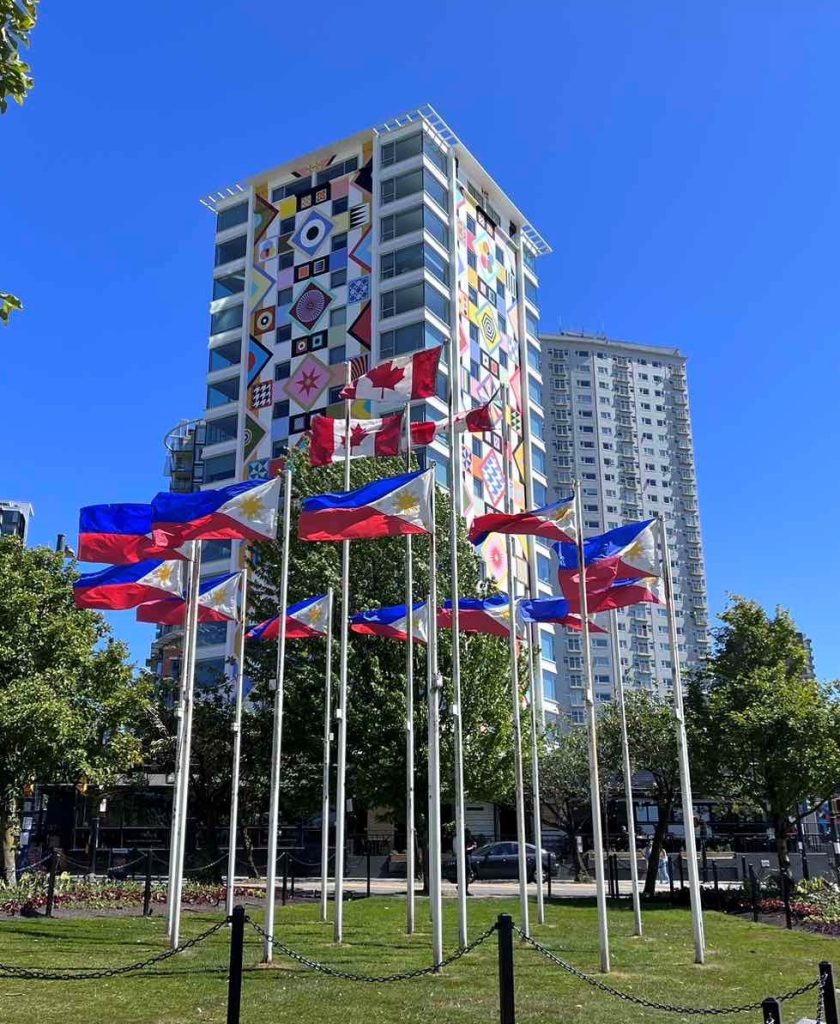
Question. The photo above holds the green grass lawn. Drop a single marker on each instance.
(746, 962)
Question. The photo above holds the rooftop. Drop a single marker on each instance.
(602, 341)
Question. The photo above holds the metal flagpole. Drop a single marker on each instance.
(410, 837)
(628, 773)
(174, 831)
(325, 794)
(682, 745)
(186, 743)
(341, 711)
(433, 692)
(237, 742)
(277, 733)
(594, 785)
(535, 776)
(507, 460)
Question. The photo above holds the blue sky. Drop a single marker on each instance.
(682, 159)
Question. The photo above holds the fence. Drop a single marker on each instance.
(771, 1008)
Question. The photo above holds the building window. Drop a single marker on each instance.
(226, 319)
(397, 224)
(220, 467)
(401, 300)
(543, 568)
(337, 355)
(436, 227)
(437, 303)
(478, 488)
(532, 324)
(538, 458)
(401, 186)
(531, 292)
(338, 277)
(547, 646)
(538, 426)
(282, 371)
(540, 494)
(279, 449)
(232, 249)
(402, 149)
(222, 429)
(434, 152)
(209, 672)
(222, 392)
(400, 342)
(439, 193)
(224, 356)
(215, 550)
(441, 464)
(442, 387)
(401, 261)
(229, 284)
(339, 241)
(338, 316)
(549, 685)
(437, 265)
(285, 297)
(232, 216)
(212, 634)
(534, 391)
(280, 410)
(339, 206)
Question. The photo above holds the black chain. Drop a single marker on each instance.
(348, 976)
(11, 971)
(820, 999)
(712, 1011)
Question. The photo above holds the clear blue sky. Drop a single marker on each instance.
(682, 159)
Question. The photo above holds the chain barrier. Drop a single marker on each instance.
(85, 974)
(348, 976)
(712, 1011)
(820, 999)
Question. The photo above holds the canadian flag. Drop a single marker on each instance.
(478, 420)
(408, 377)
(368, 438)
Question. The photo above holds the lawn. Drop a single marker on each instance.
(746, 962)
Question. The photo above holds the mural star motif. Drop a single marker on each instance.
(308, 381)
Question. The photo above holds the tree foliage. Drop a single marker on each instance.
(564, 784)
(769, 732)
(67, 693)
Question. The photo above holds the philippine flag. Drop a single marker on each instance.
(553, 522)
(246, 511)
(627, 552)
(555, 610)
(623, 593)
(119, 535)
(217, 602)
(391, 507)
(393, 622)
(303, 620)
(490, 615)
(406, 377)
(126, 586)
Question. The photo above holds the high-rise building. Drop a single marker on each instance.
(618, 420)
(391, 241)
(14, 519)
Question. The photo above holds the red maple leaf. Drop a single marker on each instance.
(357, 436)
(386, 376)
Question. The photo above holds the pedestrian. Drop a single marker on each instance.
(663, 875)
(469, 848)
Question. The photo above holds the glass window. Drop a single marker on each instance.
(400, 300)
(538, 456)
(285, 297)
(543, 564)
(442, 387)
(279, 449)
(435, 226)
(229, 284)
(338, 277)
(222, 392)
(233, 249)
(226, 319)
(215, 550)
(537, 426)
(338, 316)
(540, 494)
(339, 241)
(232, 216)
(436, 264)
(441, 464)
(337, 355)
(401, 261)
(534, 391)
(547, 645)
(531, 292)
(433, 188)
(401, 341)
(549, 684)
(222, 429)
(437, 303)
(472, 260)
(282, 370)
(402, 185)
(280, 410)
(225, 356)
(211, 634)
(220, 467)
(394, 152)
(209, 672)
(434, 152)
(532, 324)
(398, 224)
(339, 206)
(534, 360)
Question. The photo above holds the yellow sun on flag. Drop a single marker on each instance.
(309, 615)
(407, 503)
(164, 573)
(216, 599)
(251, 506)
(560, 515)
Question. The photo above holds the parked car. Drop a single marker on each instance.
(501, 860)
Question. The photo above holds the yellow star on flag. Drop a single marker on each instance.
(164, 573)
(251, 506)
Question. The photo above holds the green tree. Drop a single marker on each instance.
(769, 733)
(67, 694)
(564, 783)
(653, 748)
(17, 19)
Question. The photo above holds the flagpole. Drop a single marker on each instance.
(277, 732)
(591, 726)
(325, 793)
(682, 747)
(628, 773)
(535, 776)
(237, 742)
(521, 836)
(186, 744)
(174, 831)
(341, 711)
(433, 695)
(410, 838)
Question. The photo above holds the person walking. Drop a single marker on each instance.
(469, 848)
(663, 874)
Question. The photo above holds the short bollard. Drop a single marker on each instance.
(147, 888)
(237, 945)
(507, 1006)
(51, 883)
(829, 993)
(771, 1011)
(754, 893)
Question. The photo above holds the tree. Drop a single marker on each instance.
(769, 733)
(67, 692)
(564, 783)
(652, 737)
(17, 19)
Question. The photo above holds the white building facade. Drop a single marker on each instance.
(617, 418)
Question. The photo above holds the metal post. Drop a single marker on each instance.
(521, 837)
(410, 829)
(549, 879)
(277, 731)
(507, 1005)
(176, 885)
(284, 892)
(671, 874)
(367, 859)
(682, 745)
(744, 868)
(803, 853)
(325, 783)
(715, 881)
(627, 770)
(237, 742)
(237, 946)
(591, 726)
(704, 860)
(533, 632)
(771, 1011)
(754, 893)
(292, 879)
(680, 868)
(786, 898)
(147, 887)
(175, 823)
(829, 993)
(341, 711)
(433, 682)
(51, 883)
